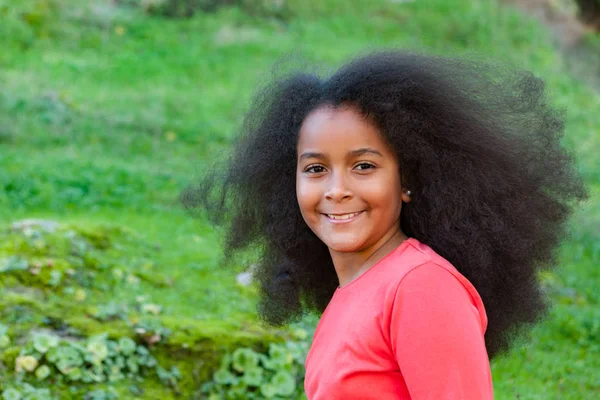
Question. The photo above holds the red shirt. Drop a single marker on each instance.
(410, 327)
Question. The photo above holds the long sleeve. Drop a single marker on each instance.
(436, 334)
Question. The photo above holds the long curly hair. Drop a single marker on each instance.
(478, 145)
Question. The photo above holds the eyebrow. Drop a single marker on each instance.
(354, 153)
(366, 150)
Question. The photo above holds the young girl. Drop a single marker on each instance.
(409, 198)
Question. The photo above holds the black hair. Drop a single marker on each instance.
(478, 145)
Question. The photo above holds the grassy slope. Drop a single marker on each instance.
(109, 120)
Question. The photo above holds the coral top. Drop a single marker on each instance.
(410, 327)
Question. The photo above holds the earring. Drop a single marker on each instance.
(408, 192)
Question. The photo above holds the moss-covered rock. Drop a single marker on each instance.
(74, 283)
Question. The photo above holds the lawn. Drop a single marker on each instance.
(107, 114)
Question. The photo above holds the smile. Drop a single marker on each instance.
(338, 218)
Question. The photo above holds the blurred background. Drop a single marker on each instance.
(110, 108)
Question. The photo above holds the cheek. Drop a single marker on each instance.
(386, 196)
(308, 197)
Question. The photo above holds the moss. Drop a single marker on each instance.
(8, 356)
(196, 350)
(89, 327)
(103, 238)
(147, 390)
(198, 346)
(188, 331)
(155, 279)
(94, 265)
(20, 309)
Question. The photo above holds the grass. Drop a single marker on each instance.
(106, 114)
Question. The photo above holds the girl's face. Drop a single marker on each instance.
(347, 180)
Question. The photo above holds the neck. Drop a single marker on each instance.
(350, 265)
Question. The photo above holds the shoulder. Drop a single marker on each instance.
(413, 255)
(422, 273)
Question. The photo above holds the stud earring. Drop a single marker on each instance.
(408, 192)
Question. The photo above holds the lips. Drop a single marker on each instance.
(342, 217)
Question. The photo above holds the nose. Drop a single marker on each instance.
(338, 189)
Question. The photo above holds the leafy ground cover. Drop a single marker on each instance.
(107, 114)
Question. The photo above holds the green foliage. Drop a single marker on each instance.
(26, 21)
(64, 257)
(110, 311)
(72, 339)
(69, 259)
(151, 331)
(99, 394)
(275, 374)
(94, 360)
(4, 339)
(25, 391)
(187, 8)
(92, 186)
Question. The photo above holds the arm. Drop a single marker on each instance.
(437, 339)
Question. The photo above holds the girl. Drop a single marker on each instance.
(409, 198)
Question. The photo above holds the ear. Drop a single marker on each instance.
(406, 195)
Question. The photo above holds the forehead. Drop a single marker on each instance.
(338, 129)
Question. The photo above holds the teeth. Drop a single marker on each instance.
(343, 216)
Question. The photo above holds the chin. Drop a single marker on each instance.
(343, 246)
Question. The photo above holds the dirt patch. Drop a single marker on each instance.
(570, 34)
(561, 17)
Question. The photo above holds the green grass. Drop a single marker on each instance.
(106, 114)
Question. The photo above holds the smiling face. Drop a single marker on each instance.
(347, 181)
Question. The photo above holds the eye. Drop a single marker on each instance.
(315, 169)
(364, 166)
